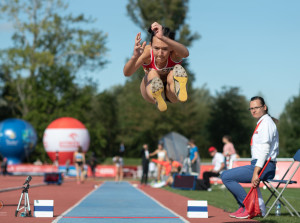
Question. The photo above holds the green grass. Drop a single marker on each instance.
(223, 199)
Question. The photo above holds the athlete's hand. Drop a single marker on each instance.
(157, 29)
(138, 48)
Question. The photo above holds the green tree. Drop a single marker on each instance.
(44, 38)
(7, 109)
(199, 106)
(289, 128)
(39, 71)
(52, 100)
(229, 116)
(105, 122)
(135, 116)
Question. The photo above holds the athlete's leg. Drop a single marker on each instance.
(177, 81)
(152, 90)
(77, 173)
(82, 172)
(121, 173)
(145, 82)
(117, 173)
(170, 89)
(159, 169)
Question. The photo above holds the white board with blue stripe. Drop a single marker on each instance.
(43, 208)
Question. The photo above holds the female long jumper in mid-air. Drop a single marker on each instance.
(165, 79)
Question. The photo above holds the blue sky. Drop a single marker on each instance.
(253, 45)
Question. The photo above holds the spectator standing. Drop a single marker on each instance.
(93, 163)
(122, 149)
(145, 164)
(118, 161)
(194, 156)
(161, 156)
(79, 158)
(228, 151)
(67, 167)
(4, 166)
(56, 161)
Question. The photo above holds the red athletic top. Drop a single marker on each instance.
(169, 66)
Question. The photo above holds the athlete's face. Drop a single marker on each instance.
(161, 50)
(257, 109)
(224, 140)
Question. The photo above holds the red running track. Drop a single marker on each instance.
(64, 196)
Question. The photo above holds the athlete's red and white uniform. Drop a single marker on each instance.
(169, 65)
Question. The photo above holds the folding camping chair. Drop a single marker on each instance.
(278, 194)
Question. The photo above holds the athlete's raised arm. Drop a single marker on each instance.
(137, 59)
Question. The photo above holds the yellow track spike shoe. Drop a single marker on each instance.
(158, 93)
(180, 80)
